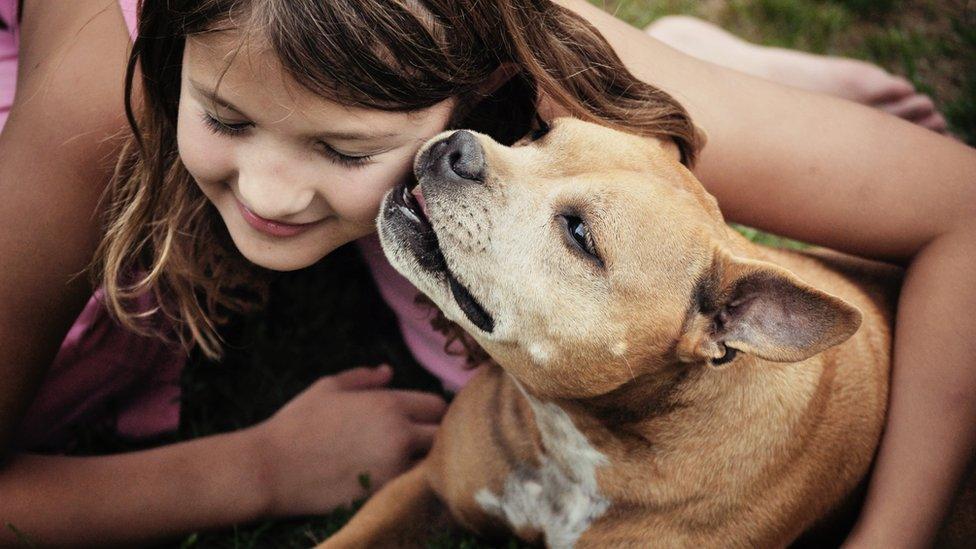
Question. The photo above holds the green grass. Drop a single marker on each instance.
(330, 317)
(931, 42)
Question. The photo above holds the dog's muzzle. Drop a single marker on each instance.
(442, 169)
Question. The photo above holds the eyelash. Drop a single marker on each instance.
(222, 128)
(344, 159)
(234, 130)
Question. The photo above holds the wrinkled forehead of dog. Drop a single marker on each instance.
(631, 190)
(585, 145)
(601, 158)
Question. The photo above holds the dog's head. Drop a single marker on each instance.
(582, 257)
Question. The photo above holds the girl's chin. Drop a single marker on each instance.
(282, 256)
(281, 262)
(291, 253)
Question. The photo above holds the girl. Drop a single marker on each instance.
(272, 128)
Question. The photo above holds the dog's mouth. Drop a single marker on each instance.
(405, 206)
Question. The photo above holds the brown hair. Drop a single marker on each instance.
(164, 238)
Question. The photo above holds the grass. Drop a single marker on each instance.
(931, 42)
(330, 317)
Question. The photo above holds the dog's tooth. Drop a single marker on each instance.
(406, 211)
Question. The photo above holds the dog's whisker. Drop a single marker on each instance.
(633, 375)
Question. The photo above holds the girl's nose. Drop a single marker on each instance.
(269, 189)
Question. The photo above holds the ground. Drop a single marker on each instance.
(330, 317)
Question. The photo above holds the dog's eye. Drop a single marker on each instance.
(579, 235)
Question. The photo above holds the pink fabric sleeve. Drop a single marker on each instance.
(105, 375)
(8, 58)
(426, 344)
(129, 9)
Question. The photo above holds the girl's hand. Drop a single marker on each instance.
(315, 449)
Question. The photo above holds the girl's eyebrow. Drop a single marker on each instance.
(337, 135)
(213, 97)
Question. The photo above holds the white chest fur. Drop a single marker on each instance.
(560, 497)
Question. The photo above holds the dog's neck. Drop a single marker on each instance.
(678, 424)
(700, 392)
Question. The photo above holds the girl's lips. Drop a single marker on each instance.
(273, 228)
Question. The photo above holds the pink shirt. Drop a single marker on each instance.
(106, 374)
(8, 57)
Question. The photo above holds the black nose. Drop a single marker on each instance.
(458, 156)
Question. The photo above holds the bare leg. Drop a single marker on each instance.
(848, 78)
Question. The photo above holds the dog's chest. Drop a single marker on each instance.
(558, 497)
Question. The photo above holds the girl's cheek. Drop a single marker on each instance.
(205, 155)
(358, 200)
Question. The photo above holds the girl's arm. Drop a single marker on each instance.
(135, 497)
(57, 152)
(306, 459)
(835, 173)
(56, 155)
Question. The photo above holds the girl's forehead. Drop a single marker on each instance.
(243, 72)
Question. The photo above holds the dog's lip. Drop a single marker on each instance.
(405, 201)
(470, 306)
(410, 201)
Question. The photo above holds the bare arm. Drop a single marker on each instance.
(838, 174)
(136, 497)
(813, 167)
(56, 155)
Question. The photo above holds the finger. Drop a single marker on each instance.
(421, 439)
(888, 90)
(935, 122)
(912, 108)
(422, 407)
(363, 378)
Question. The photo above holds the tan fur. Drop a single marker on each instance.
(745, 454)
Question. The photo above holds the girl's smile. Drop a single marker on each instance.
(293, 175)
(272, 227)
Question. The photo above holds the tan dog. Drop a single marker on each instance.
(663, 381)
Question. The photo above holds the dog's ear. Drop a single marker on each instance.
(755, 307)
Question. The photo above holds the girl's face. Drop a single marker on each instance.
(293, 175)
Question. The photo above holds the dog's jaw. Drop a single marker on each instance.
(410, 242)
(408, 247)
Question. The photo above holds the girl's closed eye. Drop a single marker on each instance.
(218, 126)
(344, 159)
(234, 129)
